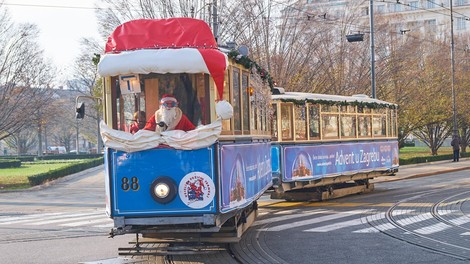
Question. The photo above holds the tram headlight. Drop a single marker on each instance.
(163, 190)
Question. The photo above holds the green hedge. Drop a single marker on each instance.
(417, 160)
(10, 163)
(21, 158)
(58, 173)
(69, 156)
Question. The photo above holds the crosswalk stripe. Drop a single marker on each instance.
(402, 222)
(14, 219)
(354, 222)
(288, 217)
(110, 225)
(442, 226)
(432, 228)
(25, 221)
(89, 222)
(314, 220)
(68, 219)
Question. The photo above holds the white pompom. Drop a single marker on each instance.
(224, 109)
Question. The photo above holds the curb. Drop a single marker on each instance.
(419, 175)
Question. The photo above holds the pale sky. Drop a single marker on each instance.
(62, 23)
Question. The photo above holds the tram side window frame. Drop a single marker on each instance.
(227, 124)
(236, 101)
(300, 121)
(329, 113)
(274, 123)
(286, 120)
(314, 119)
(245, 102)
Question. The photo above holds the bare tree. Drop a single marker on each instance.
(24, 141)
(24, 76)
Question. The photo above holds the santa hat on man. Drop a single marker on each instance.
(168, 98)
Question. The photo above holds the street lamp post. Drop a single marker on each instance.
(372, 48)
(454, 106)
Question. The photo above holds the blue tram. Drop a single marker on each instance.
(328, 146)
(163, 182)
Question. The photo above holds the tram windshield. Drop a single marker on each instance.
(191, 91)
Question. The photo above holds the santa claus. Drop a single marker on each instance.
(169, 117)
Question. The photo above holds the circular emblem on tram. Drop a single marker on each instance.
(197, 190)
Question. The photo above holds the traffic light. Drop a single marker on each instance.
(355, 37)
(80, 111)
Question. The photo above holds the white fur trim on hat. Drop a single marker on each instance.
(168, 98)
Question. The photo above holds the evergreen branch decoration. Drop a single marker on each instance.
(249, 64)
(340, 103)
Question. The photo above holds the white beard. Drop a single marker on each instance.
(168, 115)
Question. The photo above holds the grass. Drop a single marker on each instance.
(17, 178)
(411, 152)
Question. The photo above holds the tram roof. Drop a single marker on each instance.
(298, 96)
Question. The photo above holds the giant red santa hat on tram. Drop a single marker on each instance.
(173, 45)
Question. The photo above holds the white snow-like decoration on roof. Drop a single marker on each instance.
(185, 60)
(327, 97)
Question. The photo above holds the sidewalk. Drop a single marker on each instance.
(426, 169)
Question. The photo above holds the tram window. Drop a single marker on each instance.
(363, 109)
(329, 108)
(351, 109)
(394, 122)
(127, 105)
(226, 124)
(274, 123)
(330, 126)
(236, 101)
(255, 117)
(314, 121)
(377, 126)
(286, 122)
(348, 126)
(300, 122)
(245, 103)
(191, 91)
(364, 126)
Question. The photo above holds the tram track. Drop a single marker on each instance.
(442, 213)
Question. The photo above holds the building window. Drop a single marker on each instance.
(461, 25)
(397, 7)
(414, 5)
(381, 9)
(430, 25)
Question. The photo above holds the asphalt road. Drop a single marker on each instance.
(406, 219)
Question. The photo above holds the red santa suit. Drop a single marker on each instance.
(179, 122)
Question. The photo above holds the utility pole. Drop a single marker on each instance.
(372, 47)
(454, 107)
(215, 25)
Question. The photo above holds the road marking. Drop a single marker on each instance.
(314, 220)
(401, 222)
(10, 219)
(442, 226)
(354, 222)
(69, 218)
(89, 222)
(58, 216)
(288, 217)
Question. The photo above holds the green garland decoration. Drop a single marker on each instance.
(341, 103)
(249, 64)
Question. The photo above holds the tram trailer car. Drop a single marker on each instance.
(328, 146)
(200, 184)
